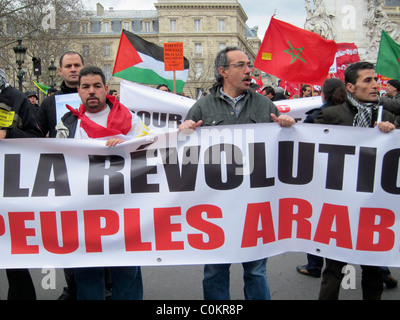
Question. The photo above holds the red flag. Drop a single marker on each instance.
(291, 88)
(119, 120)
(258, 82)
(347, 54)
(295, 54)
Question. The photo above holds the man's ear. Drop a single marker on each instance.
(350, 87)
(222, 71)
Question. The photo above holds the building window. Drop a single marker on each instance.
(172, 25)
(221, 46)
(126, 25)
(108, 71)
(85, 27)
(221, 25)
(198, 49)
(107, 51)
(85, 51)
(198, 70)
(147, 26)
(197, 25)
(64, 27)
(106, 27)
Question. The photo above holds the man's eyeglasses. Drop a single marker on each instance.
(241, 65)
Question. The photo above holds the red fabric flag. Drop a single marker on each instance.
(119, 120)
(258, 82)
(291, 88)
(347, 54)
(294, 54)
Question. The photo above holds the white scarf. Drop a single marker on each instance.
(364, 116)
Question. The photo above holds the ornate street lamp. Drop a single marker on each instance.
(20, 57)
(52, 73)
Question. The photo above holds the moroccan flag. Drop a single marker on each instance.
(295, 54)
(388, 63)
(141, 61)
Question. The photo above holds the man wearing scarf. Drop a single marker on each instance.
(102, 117)
(360, 110)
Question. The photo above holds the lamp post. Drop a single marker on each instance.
(52, 73)
(20, 57)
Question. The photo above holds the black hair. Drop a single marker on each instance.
(222, 61)
(70, 53)
(92, 70)
(351, 74)
(334, 91)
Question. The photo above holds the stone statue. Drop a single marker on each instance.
(319, 20)
(376, 21)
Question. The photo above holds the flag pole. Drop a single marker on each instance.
(175, 82)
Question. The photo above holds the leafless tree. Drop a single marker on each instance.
(46, 27)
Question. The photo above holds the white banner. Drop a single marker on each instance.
(297, 108)
(163, 111)
(159, 110)
(223, 194)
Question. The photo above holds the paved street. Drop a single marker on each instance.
(184, 282)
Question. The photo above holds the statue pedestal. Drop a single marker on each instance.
(355, 21)
(349, 23)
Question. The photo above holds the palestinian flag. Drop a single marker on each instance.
(141, 61)
(388, 63)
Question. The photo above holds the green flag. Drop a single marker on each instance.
(42, 87)
(388, 63)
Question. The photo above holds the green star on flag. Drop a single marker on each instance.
(295, 53)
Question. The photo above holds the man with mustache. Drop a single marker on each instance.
(232, 101)
(102, 117)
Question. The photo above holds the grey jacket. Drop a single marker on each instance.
(214, 110)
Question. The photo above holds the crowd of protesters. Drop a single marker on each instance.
(352, 102)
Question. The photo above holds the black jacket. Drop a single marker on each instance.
(46, 116)
(343, 114)
(24, 124)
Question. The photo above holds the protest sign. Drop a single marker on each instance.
(217, 195)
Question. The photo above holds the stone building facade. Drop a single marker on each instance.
(204, 27)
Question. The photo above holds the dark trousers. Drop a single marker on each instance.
(20, 285)
(315, 264)
(371, 281)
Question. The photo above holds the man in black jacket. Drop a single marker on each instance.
(71, 64)
(17, 121)
(360, 110)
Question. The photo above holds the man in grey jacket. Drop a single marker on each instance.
(232, 101)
